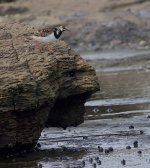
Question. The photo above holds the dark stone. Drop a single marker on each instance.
(85, 137)
(139, 152)
(64, 148)
(141, 132)
(91, 160)
(110, 149)
(131, 127)
(128, 147)
(99, 162)
(83, 163)
(97, 158)
(148, 116)
(38, 145)
(100, 149)
(123, 162)
(94, 165)
(107, 151)
(135, 144)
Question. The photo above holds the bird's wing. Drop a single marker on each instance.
(45, 31)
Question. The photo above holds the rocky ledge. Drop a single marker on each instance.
(38, 88)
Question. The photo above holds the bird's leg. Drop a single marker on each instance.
(50, 49)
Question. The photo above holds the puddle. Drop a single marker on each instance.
(124, 101)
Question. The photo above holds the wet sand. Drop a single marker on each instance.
(123, 102)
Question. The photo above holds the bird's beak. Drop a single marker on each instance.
(65, 29)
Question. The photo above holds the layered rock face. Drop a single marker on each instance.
(38, 87)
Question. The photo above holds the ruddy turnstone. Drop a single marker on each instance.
(47, 35)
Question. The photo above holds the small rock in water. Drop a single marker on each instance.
(85, 137)
(38, 145)
(97, 158)
(139, 152)
(99, 162)
(131, 127)
(40, 165)
(91, 160)
(148, 116)
(141, 131)
(83, 163)
(128, 147)
(135, 144)
(110, 149)
(123, 162)
(106, 151)
(64, 148)
(100, 149)
(94, 165)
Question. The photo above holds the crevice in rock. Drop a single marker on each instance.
(36, 84)
(15, 50)
(68, 111)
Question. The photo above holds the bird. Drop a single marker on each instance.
(48, 34)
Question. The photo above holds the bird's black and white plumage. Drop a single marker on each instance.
(48, 34)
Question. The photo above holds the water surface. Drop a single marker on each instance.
(124, 100)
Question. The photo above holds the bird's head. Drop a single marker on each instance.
(59, 30)
(63, 28)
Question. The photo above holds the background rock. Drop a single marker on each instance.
(112, 24)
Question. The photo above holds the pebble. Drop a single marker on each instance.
(83, 163)
(128, 147)
(97, 158)
(139, 152)
(141, 131)
(110, 149)
(148, 116)
(91, 160)
(123, 162)
(106, 151)
(85, 137)
(64, 148)
(100, 149)
(131, 127)
(40, 165)
(135, 144)
(38, 145)
(94, 165)
(99, 162)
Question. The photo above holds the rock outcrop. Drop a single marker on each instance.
(38, 87)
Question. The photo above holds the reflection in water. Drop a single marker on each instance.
(124, 100)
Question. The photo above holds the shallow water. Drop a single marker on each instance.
(124, 100)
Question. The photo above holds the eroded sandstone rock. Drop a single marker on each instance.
(37, 86)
